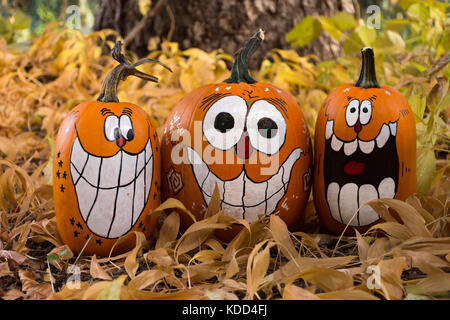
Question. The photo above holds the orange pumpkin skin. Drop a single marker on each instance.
(182, 181)
(376, 155)
(82, 210)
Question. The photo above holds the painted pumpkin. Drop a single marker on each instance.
(106, 169)
(249, 139)
(365, 148)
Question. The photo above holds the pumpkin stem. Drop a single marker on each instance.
(239, 71)
(367, 77)
(108, 92)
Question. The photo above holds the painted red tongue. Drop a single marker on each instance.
(354, 168)
(243, 148)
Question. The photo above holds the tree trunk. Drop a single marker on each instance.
(225, 24)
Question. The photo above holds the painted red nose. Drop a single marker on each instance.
(121, 141)
(243, 148)
(358, 127)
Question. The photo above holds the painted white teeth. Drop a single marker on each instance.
(242, 197)
(333, 200)
(366, 146)
(128, 170)
(79, 157)
(111, 203)
(329, 129)
(350, 147)
(336, 144)
(256, 188)
(386, 189)
(393, 127)
(148, 151)
(383, 136)
(348, 202)
(110, 171)
(90, 172)
(200, 168)
(102, 213)
(344, 201)
(122, 222)
(366, 214)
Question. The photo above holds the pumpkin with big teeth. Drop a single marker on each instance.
(249, 139)
(106, 169)
(365, 149)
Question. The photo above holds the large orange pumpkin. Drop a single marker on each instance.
(106, 169)
(248, 138)
(365, 148)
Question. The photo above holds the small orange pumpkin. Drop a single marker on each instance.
(106, 169)
(248, 138)
(365, 148)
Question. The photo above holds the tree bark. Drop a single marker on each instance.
(225, 24)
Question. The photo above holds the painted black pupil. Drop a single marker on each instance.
(267, 128)
(130, 134)
(224, 122)
(352, 110)
(365, 110)
(116, 133)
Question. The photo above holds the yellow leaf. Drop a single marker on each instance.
(169, 230)
(292, 292)
(131, 265)
(97, 271)
(146, 278)
(281, 234)
(257, 265)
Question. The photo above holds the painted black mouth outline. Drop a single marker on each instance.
(376, 166)
(118, 187)
(243, 175)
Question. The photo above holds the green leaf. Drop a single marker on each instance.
(52, 257)
(352, 44)
(367, 35)
(344, 20)
(418, 103)
(426, 169)
(397, 24)
(21, 21)
(419, 13)
(306, 31)
(404, 4)
(396, 40)
(329, 26)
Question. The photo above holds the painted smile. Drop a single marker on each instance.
(358, 171)
(242, 197)
(111, 191)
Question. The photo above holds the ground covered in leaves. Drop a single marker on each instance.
(406, 258)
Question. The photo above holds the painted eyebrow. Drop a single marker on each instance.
(106, 111)
(280, 103)
(127, 111)
(209, 100)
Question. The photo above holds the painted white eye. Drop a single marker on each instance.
(365, 112)
(224, 121)
(266, 127)
(352, 113)
(112, 130)
(126, 127)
